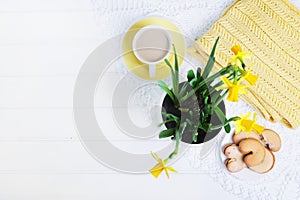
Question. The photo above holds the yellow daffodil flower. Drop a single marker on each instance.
(161, 166)
(239, 55)
(251, 78)
(238, 123)
(247, 125)
(234, 89)
(236, 49)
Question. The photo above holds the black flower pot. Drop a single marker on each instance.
(191, 103)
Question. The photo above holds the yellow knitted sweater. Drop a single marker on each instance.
(270, 30)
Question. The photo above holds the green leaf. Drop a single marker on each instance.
(171, 116)
(227, 128)
(195, 89)
(205, 126)
(212, 54)
(233, 119)
(221, 98)
(166, 121)
(188, 95)
(206, 100)
(211, 60)
(200, 126)
(202, 114)
(176, 60)
(199, 73)
(169, 64)
(190, 75)
(208, 109)
(167, 133)
(164, 86)
(205, 93)
(216, 96)
(208, 67)
(195, 136)
(220, 114)
(189, 122)
(175, 76)
(183, 90)
(182, 128)
(193, 82)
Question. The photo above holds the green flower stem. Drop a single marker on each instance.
(221, 98)
(235, 79)
(217, 126)
(220, 83)
(243, 64)
(218, 74)
(241, 71)
(175, 152)
(178, 134)
(166, 121)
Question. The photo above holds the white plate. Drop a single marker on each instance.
(246, 174)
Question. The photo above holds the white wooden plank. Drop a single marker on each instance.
(46, 157)
(47, 60)
(37, 125)
(36, 92)
(55, 26)
(58, 157)
(18, 6)
(118, 186)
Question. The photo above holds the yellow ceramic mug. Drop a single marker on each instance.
(141, 69)
(151, 45)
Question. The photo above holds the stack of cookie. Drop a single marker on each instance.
(253, 151)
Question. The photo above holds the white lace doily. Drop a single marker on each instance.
(194, 17)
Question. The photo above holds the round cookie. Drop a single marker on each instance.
(254, 150)
(236, 138)
(271, 139)
(266, 165)
(234, 162)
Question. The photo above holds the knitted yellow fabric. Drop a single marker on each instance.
(270, 30)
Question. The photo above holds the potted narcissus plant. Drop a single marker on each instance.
(193, 111)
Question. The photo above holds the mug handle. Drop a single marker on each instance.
(152, 70)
